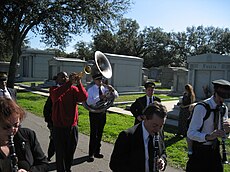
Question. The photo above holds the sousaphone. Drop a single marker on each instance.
(101, 66)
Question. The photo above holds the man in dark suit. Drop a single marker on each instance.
(4, 90)
(138, 106)
(141, 148)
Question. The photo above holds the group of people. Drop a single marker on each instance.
(202, 123)
(20, 150)
(139, 148)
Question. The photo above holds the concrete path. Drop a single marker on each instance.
(80, 163)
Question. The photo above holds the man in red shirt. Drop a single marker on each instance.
(65, 98)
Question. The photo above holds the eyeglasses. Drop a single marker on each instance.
(8, 127)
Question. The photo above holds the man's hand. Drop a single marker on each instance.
(161, 164)
(140, 117)
(227, 126)
(215, 134)
(110, 88)
(74, 78)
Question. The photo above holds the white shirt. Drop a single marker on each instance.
(197, 121)
(148, 100)
(6, 93)
(93, 94)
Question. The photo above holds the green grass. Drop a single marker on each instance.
(175, 146)
(163, 97)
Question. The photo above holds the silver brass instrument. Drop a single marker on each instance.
(224, 152)
(103, 67)
(13, 156)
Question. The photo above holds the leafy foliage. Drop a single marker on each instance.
(159, 48)
(55, 20)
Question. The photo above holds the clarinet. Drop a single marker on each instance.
(13, 156)
(224, 152)
(156, 152)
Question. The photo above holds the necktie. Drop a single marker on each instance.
(100, 92)
(150, 100)
(216, 117)
(150, 152)
(3, 93)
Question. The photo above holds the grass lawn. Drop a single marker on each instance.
(176, 147)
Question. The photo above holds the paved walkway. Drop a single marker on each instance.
(80, 163)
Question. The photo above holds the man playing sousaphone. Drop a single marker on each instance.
(98, 95)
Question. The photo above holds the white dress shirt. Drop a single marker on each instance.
(197, 121)
(5, 94)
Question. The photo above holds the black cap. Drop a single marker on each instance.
(222, 88)
(149, 84)
(3, 76)
(62, 74)
(97, 76)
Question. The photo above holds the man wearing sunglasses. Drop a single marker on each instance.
(206, 134)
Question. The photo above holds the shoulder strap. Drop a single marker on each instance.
(208, 112)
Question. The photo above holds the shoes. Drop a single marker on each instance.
(90, 159)
(98, 155)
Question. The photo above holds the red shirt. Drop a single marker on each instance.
(65, 107)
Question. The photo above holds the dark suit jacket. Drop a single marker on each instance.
(28, 151)
(129, 153)
(13, 93)
(138, 106)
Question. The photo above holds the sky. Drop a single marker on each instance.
(170, 15)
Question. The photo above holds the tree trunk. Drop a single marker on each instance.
(13, 65)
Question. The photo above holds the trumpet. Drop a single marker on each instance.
(75, 76)
(87, 70)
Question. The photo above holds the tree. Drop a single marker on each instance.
(128, 37)
(104, 41)
(55, 20)
(84, 51)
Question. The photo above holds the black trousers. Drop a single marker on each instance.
(97, 123)
(205, 159)
(65, 141)
(51, 148)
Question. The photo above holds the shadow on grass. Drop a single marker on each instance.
(172, 141)
(172, 130)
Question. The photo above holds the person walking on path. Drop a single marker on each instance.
(138, 106)
(142, 148)
(65, 100)
(97, 93)
(205, 131)
(187, 99)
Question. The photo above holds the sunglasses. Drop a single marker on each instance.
(223, 94)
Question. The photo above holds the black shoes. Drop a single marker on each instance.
(98, 155)
(90, 159)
